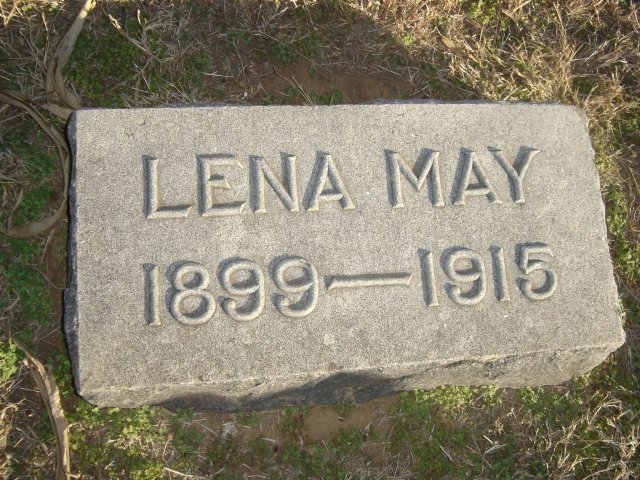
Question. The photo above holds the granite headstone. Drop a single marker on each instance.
(235, 257)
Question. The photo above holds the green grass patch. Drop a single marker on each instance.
(625, 249)
(438, 427)
(293, 420)
(331, 96)
(32, 205)
(102, 60)
(248, 419)
(10, 357)
(19, 262)
(552, 405)
(329, 461)
(449, 398)
(221, 453)
(30, 147)
(117, 442)
(187, 438)
(61, 368)
(261, 448)
(31, 162)
(288, 51)
(344, 409)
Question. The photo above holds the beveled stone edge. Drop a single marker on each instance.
(70, 300)
(549, 367)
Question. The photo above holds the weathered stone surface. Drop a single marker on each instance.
(248, 257)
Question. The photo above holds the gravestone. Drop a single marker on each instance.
(236, 257)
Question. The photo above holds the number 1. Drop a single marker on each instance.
(151, 299)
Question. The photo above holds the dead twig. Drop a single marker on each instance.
(294, 83)
(55, 80)
(43, 377)
(30, 229)
(54, 83)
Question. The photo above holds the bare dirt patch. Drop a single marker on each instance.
(354, 87)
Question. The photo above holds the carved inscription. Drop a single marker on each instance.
(473, 273)
(152, 291)
(153, 207)
(297, 279)
(428, 278)
(425, 167)
(326, 172)
(211, 179)
(465, 280)
(195, 287)
(500, 274)
(463, 189)
(251, 288)
(517, 171)
(326, 183)
(464, 276)
(529, 265)
(368, 280)
(260, 171)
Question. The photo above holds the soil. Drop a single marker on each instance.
(356, 87)
(335, 85)
(319, 424)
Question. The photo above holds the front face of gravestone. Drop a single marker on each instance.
(248, 257)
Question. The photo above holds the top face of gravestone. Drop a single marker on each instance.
(239, 250)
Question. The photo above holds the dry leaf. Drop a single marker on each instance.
(51, 396)
(55, 80)
(36, 227)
